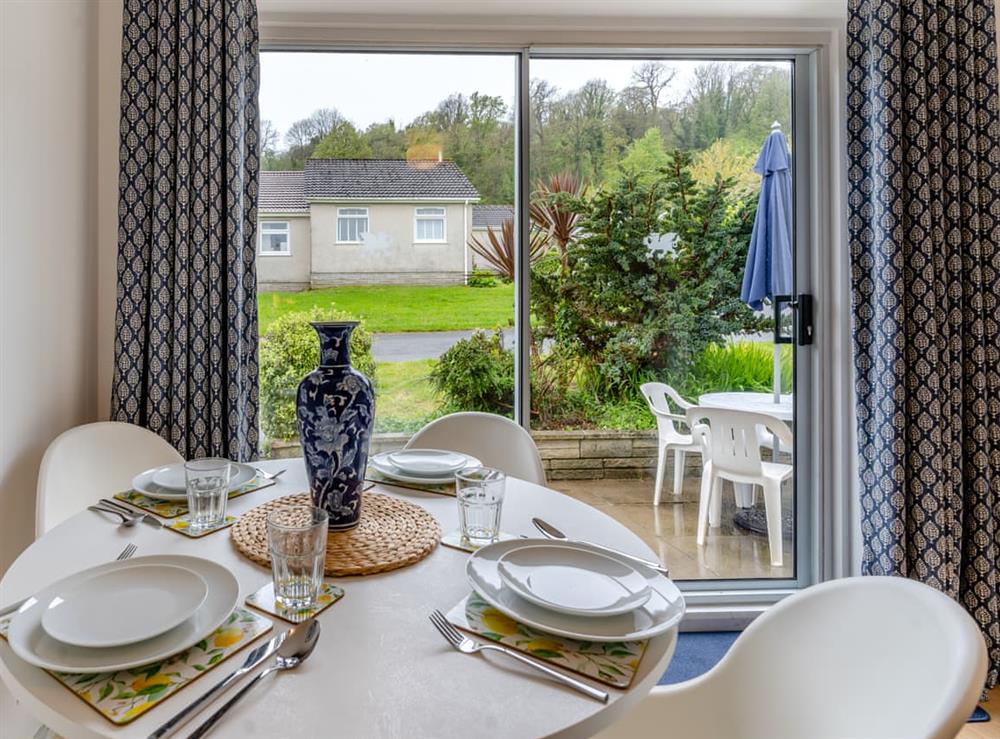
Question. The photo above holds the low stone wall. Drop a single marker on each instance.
(567, 455)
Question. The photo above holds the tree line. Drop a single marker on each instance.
(590, 133)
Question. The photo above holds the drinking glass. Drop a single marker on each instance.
(480, 502)
(296, 537)
(207, 491)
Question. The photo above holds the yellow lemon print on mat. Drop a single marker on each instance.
(228, 637)
(143, 682)
(544, 644)
(137, 709)
(499, 622)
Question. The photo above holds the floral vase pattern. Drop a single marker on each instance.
(335, 407)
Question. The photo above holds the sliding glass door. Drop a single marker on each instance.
(645, 174)
(562, 238)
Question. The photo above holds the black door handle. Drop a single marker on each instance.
(803, 305)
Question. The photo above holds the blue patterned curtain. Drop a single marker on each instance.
(186, 343)
(924, 223)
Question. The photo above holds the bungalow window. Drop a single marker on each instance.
(352, 225)
(275, 238)
(429, 225)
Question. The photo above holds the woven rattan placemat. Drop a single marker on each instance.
(392, 533)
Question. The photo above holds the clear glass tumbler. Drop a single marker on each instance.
(480, 503)
(296, 538)
(207, 491)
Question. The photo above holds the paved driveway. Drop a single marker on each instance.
(407, 347)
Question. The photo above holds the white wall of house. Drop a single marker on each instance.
(390, 252)
(48, 247)
(286, 271)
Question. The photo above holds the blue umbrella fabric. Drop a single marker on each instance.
(769, 260)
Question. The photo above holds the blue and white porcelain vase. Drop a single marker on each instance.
(335, 407)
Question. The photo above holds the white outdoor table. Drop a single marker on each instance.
(753, 403)
(380, 668)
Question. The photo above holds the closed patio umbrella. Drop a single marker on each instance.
(769, 259)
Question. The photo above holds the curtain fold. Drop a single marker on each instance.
(923, 140)
(186, 323)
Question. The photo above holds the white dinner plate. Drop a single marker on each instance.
(428, 462)
(145, 482)
(28, 640)
(661, 612)
(570, 579)
(124, 604)
(382, 464)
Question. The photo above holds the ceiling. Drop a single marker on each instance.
(575, 9)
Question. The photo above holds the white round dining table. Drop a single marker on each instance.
(380, 668)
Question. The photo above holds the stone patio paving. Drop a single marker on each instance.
(670, 528)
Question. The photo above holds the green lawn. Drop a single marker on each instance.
(397, 308)
(405, 399)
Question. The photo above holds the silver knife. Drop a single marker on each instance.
(253, 659)
(6, 610)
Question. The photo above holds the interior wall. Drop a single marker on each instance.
(48, 274)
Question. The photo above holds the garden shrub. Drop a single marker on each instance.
(476, 374)
(631, 310)
(482, 278)
(289, 350)
(739, 365)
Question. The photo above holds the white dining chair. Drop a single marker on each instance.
(730, 445)
(669, 437)
(495, 440)
(94, 461)
(857, 658)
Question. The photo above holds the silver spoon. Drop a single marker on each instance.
(269, 475)
(127, 522)
(298, 645)
(552, 532)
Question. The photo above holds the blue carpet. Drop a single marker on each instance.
(699, 651)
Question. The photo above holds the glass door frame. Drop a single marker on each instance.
(709, 592)
(725, 603)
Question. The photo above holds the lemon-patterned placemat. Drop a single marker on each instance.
(263, 599)
(123, 696)
(182, 525)
(612, 663)
(174, 508)
(444, 488)
(455, 541)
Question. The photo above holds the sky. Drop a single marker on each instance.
(369, 88)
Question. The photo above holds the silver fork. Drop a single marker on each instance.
(465, 645)
(126, 553)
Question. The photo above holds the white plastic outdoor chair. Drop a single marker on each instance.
(657, 395)
(496, 441)
(731, 451)
(87, 463)
(858, 658)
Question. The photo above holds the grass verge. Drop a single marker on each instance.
(401, 308)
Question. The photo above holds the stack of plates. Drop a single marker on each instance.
(168, 482)
(575, 590)
(123, 614)
(428, 466)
